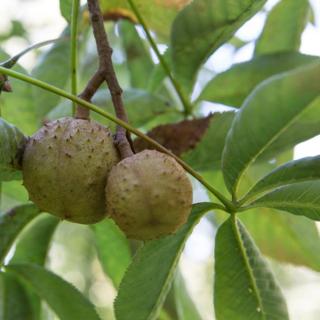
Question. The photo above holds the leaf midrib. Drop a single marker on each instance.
(247, 265)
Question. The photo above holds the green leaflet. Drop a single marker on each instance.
(234, 85)
(14, 300)
(299, 198)
(113, 249)
(201, 28)
(301, 170)
(11, 144)
(274, 105)
(284, 26)
(148, 278)
(12, 223)
(66, 301)
(244, 286)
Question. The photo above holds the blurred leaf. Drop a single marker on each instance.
(234, 85)
(185, 306)
(12, 142)
(113, 249)
(244, 286)
(53, 67)
(66, 9)
(207, 153)
(201, 28)
(301, 170)
(137, 57)
(34, 242)
(14, 300)
(274, 106)
(284, 26)
(284, 237)
(177, 137)
(299, 198)
(18, 107)
(13, 194)
(64, 299)
(12, 223)
(158, 74)
(148, 278)
(157, 14)
(141, 106)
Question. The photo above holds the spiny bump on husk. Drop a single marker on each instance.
(148, 195)
(64, 173)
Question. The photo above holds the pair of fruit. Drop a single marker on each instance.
(72, 170)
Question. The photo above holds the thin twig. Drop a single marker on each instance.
(105, 73)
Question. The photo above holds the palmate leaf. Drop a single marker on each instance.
(12, 223)
(234, 85)
(11, 145)
(148, 278)
(299, 198)
(284, 26)
(301, 170)
(244, 286)
(274, 105)
(64, 299)
(113, 249)
(201, 28)
(14, 300)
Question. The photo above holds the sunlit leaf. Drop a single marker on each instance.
(244, 287)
